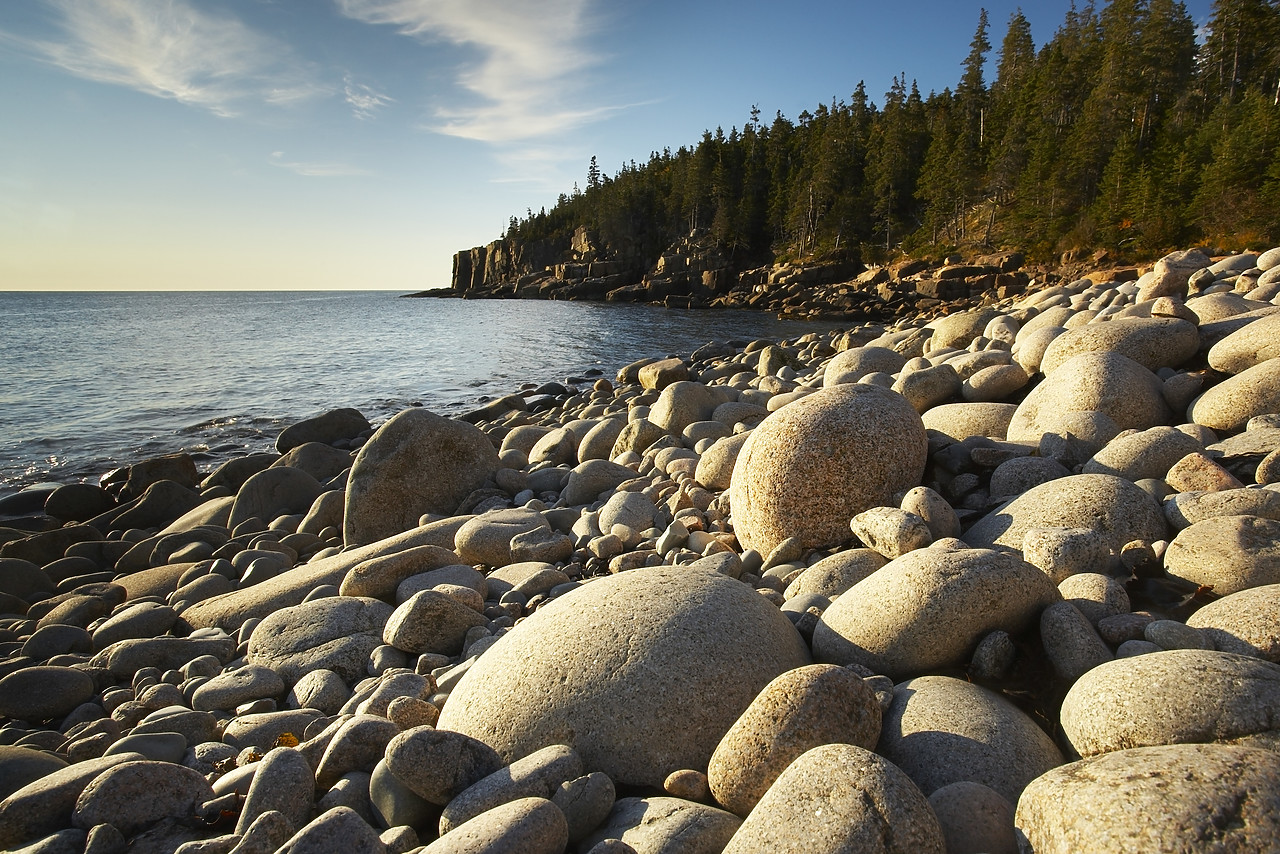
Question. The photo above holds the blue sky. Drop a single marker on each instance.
(314, 144)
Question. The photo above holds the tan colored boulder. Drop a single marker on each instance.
(929, 608)
(416, 463)
(1227, 553)
(1183, 797)
(1230, 404)
(642, 673)
(808, 468)
(1171, 697)
(1248, 346)
(1153, 342)
(801, 709)
(1104, 382)
(861, 796)
(962, 420)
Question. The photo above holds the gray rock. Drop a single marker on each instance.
(1065, 552)
(591, 478)
(338, 829)
(929, 608)
(538, 775)
(321, 461)
(195, 727)
(22, 578)
(1248, 346)
(319, 689)
(627, 687)
(134, 794)
(1171, 697)
(44, 692)
(143, 620)
(379, 577)
(1145, 454)
(328, 428)
(432, 622)
(274, 492)
(974, 819)
(939, 515)
(1245, 623)
(486, 539)
(1116, 508)
(283, 784)
(1228, 553)
(125, 658)
(1171, 634)
(801, 709)
(1168, 798)
(155, 746)
(814, 464)
(237, 687)
(45, 805)
(524, 826)
(358, 745)
(336, 633)
(890, 531)
(438, 765)
(1070, 641)
(867, 805)
(20, 766)
(849, 366)
(661, 825)
(1104, 382)
(352, 792)
(941, 730)
(261, 730)
(394, 803)
(585, 801)
(386, 493)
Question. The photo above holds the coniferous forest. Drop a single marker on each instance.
(1128, 130)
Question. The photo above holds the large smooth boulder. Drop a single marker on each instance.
(962, 420)
(853, 364)
(1171, 697)
(1246, 623)
(1230, 404)
(941, 730)
(840, 798)
(277, 491)
(641, 673)
(1113, 506)
(1109, 383)
(1183, 797)
(1152, 342)
(1227, 553)
(328, 428)
(682, 403)
(417, 463)
(929, 608)
(1247, 346)
(810, 467)
(335, 633)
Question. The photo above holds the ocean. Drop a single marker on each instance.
(93, 381)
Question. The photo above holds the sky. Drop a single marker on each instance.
(358, 144)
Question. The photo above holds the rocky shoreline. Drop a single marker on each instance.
(1000, 575)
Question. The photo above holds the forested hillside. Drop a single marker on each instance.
(1129, 130)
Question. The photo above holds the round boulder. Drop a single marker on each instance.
(1227, 553)
(1152, 342)
(1183, 797)
(837, 798)
(816, 463)
(929, 608)
(335, 633)
(1171, 697)
(941, 730)
(417, 463)
(1113, 506)
(1230, 404)
(1109, 383)
(641, 673)
(1246, 623)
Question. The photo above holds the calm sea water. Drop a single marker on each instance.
(92, 381)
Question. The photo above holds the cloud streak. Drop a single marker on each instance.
(364, 101)
(315, 169)
(532, 54)
(171, 49)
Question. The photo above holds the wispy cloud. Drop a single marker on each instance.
(171, 49)
(532, 56)
(364, 101)
(315, 169)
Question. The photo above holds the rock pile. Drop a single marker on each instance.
(1007, 580)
